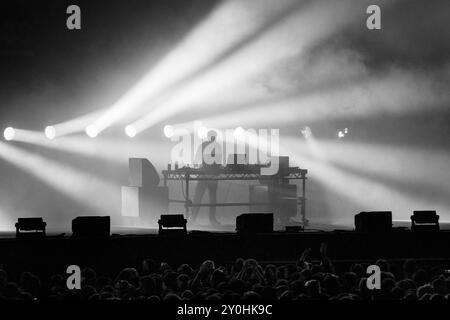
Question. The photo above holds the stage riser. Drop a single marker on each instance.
(112, 254)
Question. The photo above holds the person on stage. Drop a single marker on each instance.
(211, 157)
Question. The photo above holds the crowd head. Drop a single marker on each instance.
(241, 280)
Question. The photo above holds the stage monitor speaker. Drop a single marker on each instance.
(373, 222)
(174, 224)
(30, 227)
(427, 221)
(142, 173)
(91, 226)
(254, 223)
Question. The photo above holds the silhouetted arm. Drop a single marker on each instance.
(302, 263)
(325, 263)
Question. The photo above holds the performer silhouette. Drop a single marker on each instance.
(210, 156)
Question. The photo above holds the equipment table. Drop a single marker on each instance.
(188, 174)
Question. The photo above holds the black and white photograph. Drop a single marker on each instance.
(225, 158)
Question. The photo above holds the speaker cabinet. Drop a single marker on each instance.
(91, 226)
(174, 224)
(425, 221)
(254, 223)
(30, 227)
(373, 222)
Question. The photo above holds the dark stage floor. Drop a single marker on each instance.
(129, 246)
(140, 231)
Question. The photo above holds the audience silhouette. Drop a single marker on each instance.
(242, 280)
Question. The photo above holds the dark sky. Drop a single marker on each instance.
(415, 34)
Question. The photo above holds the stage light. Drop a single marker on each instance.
(342, 133)
(202, 132)
(239, 133)
(9, 133)
(74, 125)
(50, 132)
(306, 132)
(168, 131)
(130, 131)
(33, 227)
(427, 220)
(92, 131)
(112, 149)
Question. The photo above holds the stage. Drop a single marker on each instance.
(127, 247)
(225, 228)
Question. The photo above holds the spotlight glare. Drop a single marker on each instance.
(202, 132)
(9, 133)
(92, 131)
(306, 132)
(50, 132)
(130, 131)
(168, 131)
